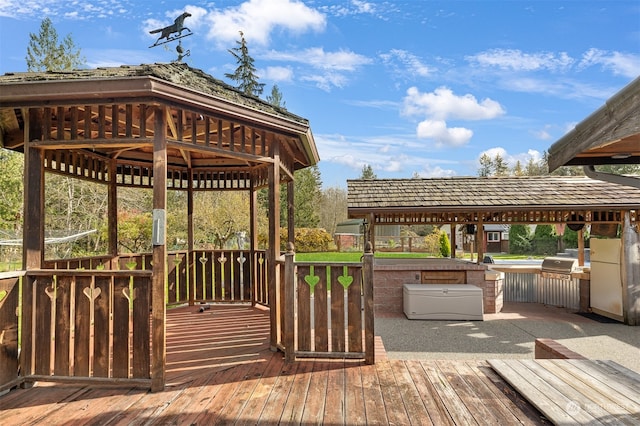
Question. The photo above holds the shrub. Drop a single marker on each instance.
(445, 245)
(432, 241)
(308, 240)
(545, 240)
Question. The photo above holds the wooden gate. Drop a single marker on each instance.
(328, 309)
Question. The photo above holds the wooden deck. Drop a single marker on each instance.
(220, 370)
(577, 391)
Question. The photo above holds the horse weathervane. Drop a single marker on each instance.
(176, 27)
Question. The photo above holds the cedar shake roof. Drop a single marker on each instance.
(175, 72)
(90, 117)
(486, 194)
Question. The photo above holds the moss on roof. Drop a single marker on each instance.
(177, 73)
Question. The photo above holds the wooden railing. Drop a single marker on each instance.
(200, 275)
(92, 262)
(328, 309)
(86, 324)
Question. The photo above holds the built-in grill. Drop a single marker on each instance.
(558, 267)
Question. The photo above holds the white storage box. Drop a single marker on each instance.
(443, 301)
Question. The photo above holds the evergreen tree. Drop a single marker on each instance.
(445, 245)
(517, 169)
(519, 239)
(620, 169)
(275, 98)
(545, 240)
(44, 53)
(534, 168)
(500, 166)
(307, 197)
(367, 172)
(245, 73)
(486, 166)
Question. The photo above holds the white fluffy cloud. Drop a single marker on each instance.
(443, 135)
(277, 73)
(442, 104)
(430, 171)
(258, 18)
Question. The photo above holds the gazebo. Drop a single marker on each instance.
(478, 201)
(161, 127)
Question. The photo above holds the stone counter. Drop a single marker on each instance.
(391, 274)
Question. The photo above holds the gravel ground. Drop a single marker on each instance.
(509, 334)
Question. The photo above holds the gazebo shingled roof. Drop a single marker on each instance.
(491, 199)
(212, 125)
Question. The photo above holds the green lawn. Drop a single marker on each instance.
(355, 256)
(351, 256)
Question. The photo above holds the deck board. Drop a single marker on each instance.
(575, 391)
(413, 403)
(526, 413)
(372, 394)
(334, 407)
(437, 411)
(394, 407)
(221, 371)
(456, 407)
(354, 397)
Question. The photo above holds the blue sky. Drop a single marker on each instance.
(409, 87)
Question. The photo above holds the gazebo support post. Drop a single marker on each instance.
(580, 247)
(190, 238)
(33, 233)
(158, 306)
(112, 213)
(273, 278)
(291, 238)
(480, 238)
(372, 232)
(453, 240)
(253, 239)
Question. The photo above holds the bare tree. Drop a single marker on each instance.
(333, 208)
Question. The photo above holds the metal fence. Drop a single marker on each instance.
(535, 288)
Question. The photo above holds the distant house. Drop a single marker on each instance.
(348, 234)
(496, 238)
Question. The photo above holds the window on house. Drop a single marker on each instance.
(493, 237)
